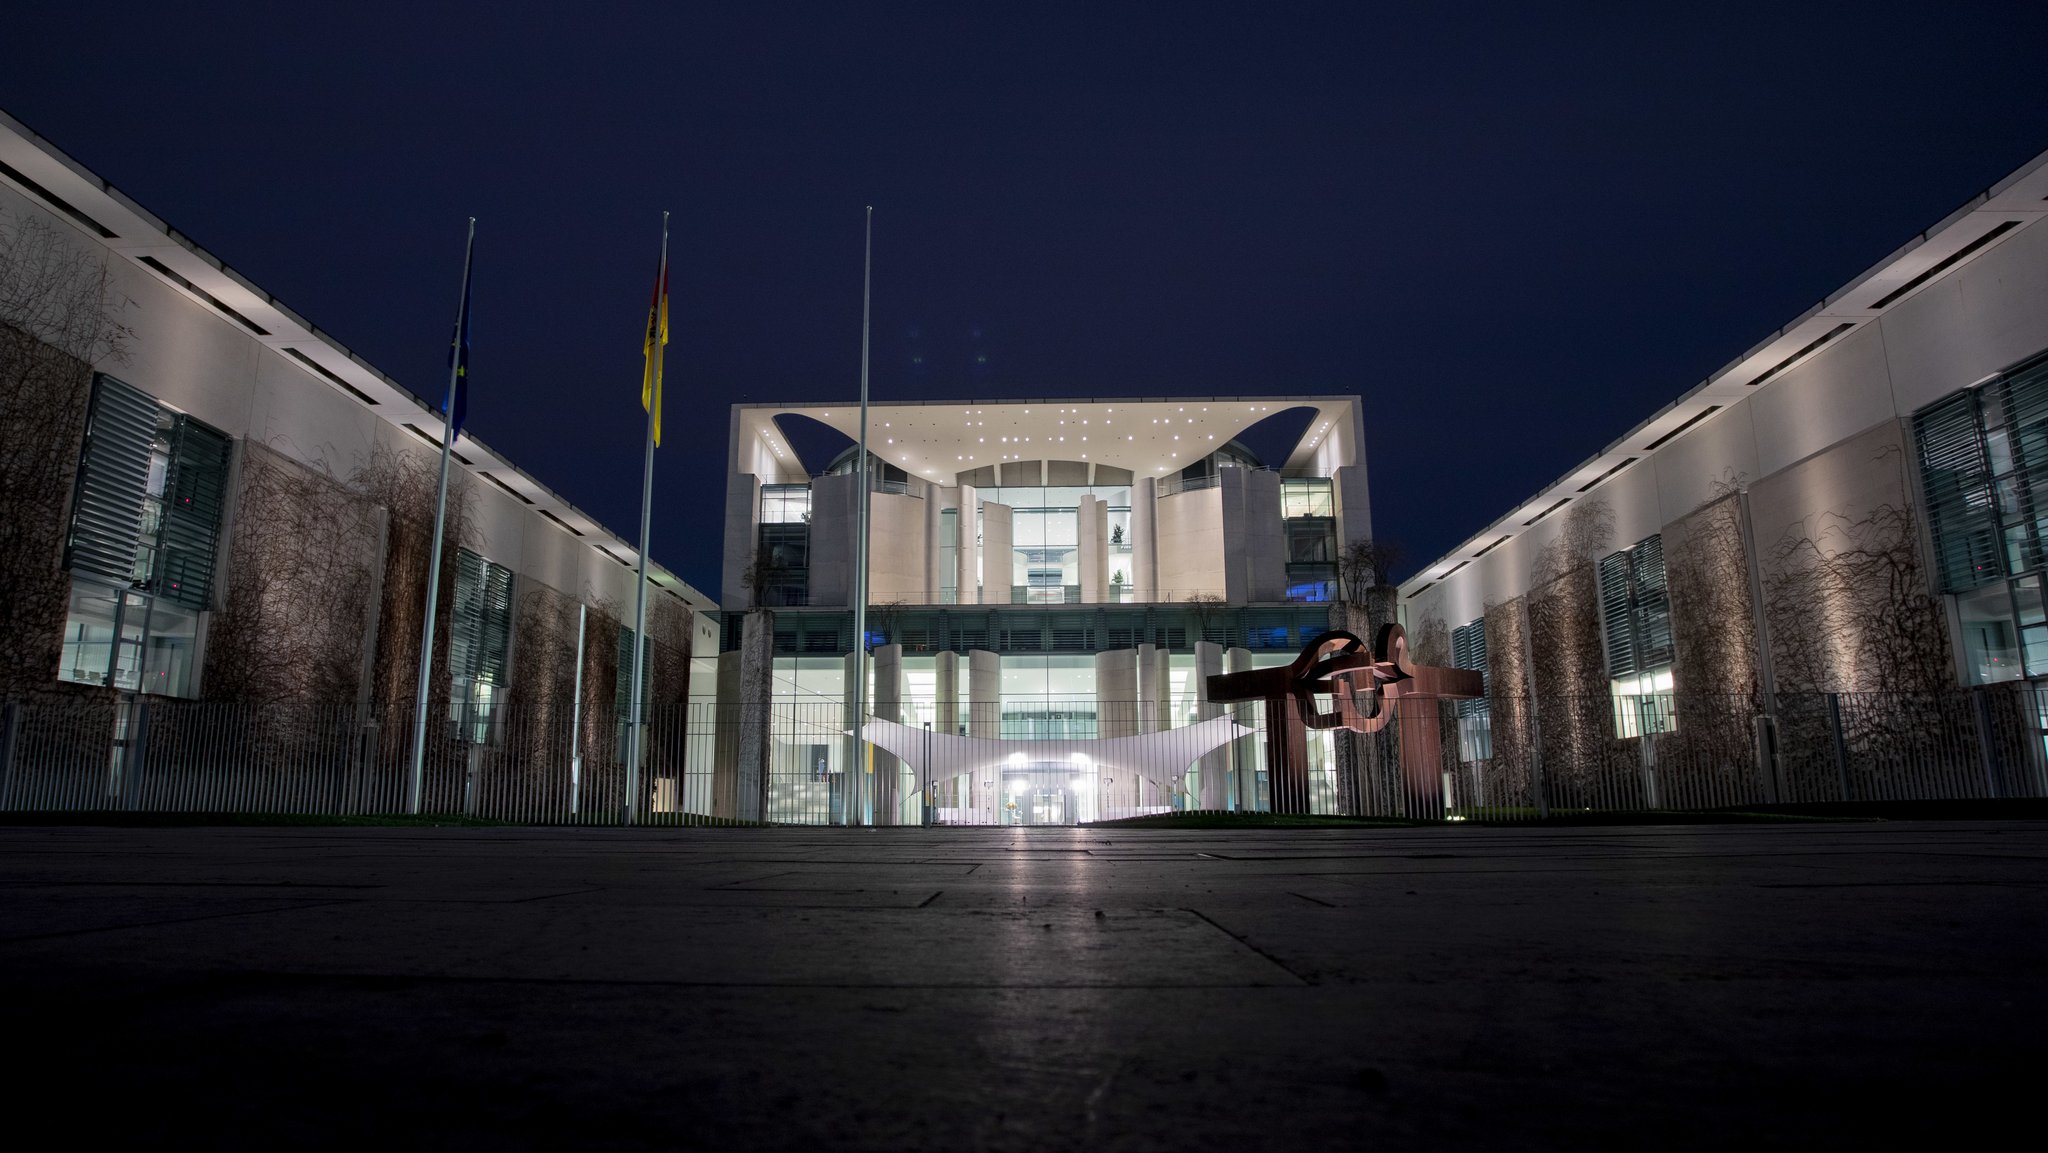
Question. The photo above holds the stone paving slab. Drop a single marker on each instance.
(1693, 987)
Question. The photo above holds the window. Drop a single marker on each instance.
(624, 692)
(479, 643)
(1635, 611)
(143, 541)
(1475, 717)
(1984, 478)
(785, 504)
(1307, 496)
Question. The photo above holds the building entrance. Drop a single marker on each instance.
(1033, 803)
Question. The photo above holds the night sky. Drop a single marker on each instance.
(1516, 233)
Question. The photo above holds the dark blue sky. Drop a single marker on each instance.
(1515, 232)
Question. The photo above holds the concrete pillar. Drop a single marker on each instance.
(756, 688)
(1354, 504)
(1144, 546)
(1116, 715)
(1116, 693)
(1265, 538)
(998, 562)
(946, 693)
(1148, 689)
(1162, 701)
(966, 527)
(725, 739)
(1214, 767)
(934, 509)
(1230, 488)
(1092, 527)
(887, 781)
(984, 694)
(1244, 750)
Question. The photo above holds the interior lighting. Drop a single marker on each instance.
(1016, 759)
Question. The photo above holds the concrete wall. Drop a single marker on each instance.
(1826, 439)
(832, 538)
(896, 562)
(200, 362)
(998, 560)
(1189, 525)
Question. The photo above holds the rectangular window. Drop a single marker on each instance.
(1475, 717)
(624, 693)
(1307, 496)
(1635, 610)
(143, 541)
(785, 504)
(479, 642)
(1983, 458)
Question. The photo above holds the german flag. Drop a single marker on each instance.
(657, 338)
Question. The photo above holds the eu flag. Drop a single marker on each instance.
(457, 406)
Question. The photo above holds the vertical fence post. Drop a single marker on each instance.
(1766, 743)
(1648, 753)
(1987, 745)
(135, 753)
(10, 735)
(1841, 744)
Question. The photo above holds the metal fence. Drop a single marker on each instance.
(794, 760)
(1585, 754)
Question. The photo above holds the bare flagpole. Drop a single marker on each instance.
(866, 786)
(635, 739)
(416, 789)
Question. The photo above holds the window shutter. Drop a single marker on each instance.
(480, 633)
(2024, 393)
(1652, 604)
(1957, 483)
(113, 480)
(1616, 617)
(1468, 651)
(195, 493)
(624, 694)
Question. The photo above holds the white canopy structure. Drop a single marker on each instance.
(1158, 757)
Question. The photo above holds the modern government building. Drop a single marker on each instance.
(1815, 575)
(1837, 537)
(209, 497)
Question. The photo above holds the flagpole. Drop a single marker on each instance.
(416, 791)
(863, 777)
(634, 737)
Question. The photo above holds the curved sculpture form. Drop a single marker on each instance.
(1362, 687)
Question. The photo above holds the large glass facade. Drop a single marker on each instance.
(783, 546)
(1635, 611)
(1983, 458)
(1044, 566)
(1047, 697)
(142, 543)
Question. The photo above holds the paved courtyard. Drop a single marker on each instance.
(1700, 987)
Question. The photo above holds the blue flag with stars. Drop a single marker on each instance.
(457, 404)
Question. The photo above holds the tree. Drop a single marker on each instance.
(60, 315)
(761, 573)
(1364, 567)
(1209, 611)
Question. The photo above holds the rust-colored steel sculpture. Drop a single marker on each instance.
(1363, 689)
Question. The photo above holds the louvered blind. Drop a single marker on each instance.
(1652, 604)
(1957, 480)
(113, 480)
(480, 631)
(624, 694)
(195, 494)
(1615, 616)
(1635, 609)
(1468, 651)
